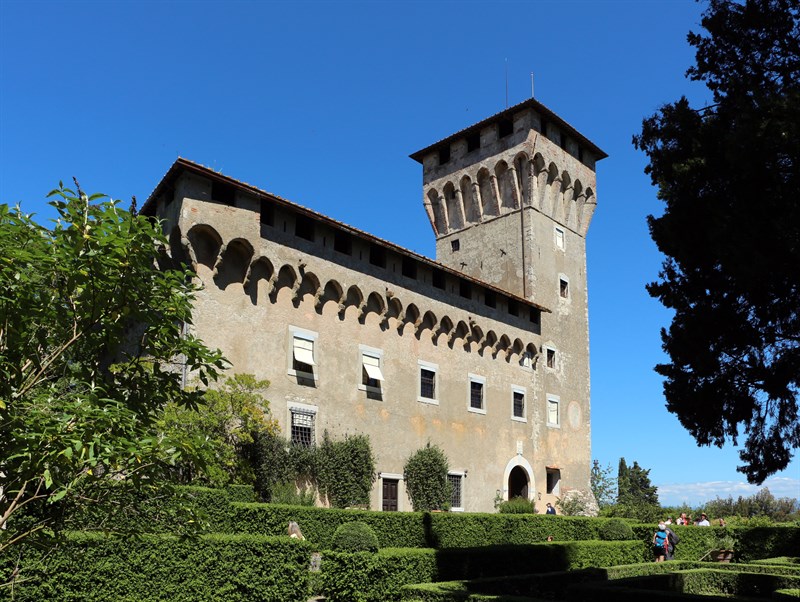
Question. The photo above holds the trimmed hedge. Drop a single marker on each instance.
(374, 577)
(223, 568)
(735, 583)
(355, 537)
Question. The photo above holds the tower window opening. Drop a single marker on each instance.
(455, 245)
(513, 307)
(409, 268)
(342, 243)
(377, 256)
(490, 299)
(223, 193)
(304, 227)
(505, 128)
(438, 279)
(473, 142)
(267, 215)
(444, 154)
(465, 289)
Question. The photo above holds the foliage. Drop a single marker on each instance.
(762, 503)
(604, 485)
(516, 505)
(345, 470)
(576, 502)
(240, 493)
(291, 494)
(218, 568)
(228, 422)
(727, 172)
(374, 577)
(354, 536)
(426, 479)
(93, 344)
(616, 530)
(636, 497)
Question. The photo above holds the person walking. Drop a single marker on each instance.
(660, 543)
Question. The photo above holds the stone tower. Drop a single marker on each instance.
(510, 200)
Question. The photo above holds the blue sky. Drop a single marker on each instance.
(322, 102)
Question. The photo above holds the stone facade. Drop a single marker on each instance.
(483, 352)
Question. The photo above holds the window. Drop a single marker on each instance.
(456, 480)
(342, 243)
(505, 128)
(444, 154)
(559, 236)
(553, 480)
(304, 227)
(518, 404)
(377, 256)
(553, 418)
(464, 289)
(534, 315)
(563, 287)
(477, 384)
(489, 298)
(267, 215)
(455, 245)
(427, 382)
(371, 372)
(513, 307)
(438, 279)
(409, 268)
(473, 142)
(551, 357)
(302, 424)
(302, 363)
(526, 361)
(223, 193)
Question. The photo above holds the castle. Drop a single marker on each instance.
(484, 351)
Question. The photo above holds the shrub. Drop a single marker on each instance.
(616, 530)
(288, 493)
(345, 470)
(426, 479)
(516, 505)
(355, 537)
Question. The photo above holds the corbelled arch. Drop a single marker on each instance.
(438, 212)
(427, 322)
(472, 207)
(205, 244)
(455, 215)
(352, 298)
(505, 186)
(540, 176)
(234, 264)
(522, 166)
(332, 292)
(488, 200)
(258, 282)
(286, 278)
(587, 211)
(309, 286)
(375, 305)
(460, 334)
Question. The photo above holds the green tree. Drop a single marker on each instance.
(92, 347)
(426, 479)
(604, 486)
(224, 429)
(636, 497)
(345, 470)
(728, 174)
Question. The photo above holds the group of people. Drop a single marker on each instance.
(665, 539)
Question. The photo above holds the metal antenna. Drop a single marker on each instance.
(506, 82)
(531, 84)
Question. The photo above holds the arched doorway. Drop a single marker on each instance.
(518, 483)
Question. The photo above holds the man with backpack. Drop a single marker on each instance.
(672, 541)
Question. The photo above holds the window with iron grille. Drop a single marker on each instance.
(519, 404)
(303, 427)
(456, 498)
(427, 383)
(476, 395)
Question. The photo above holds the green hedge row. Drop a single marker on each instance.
(734, 583)
(224, 568)
(366, 577)
(751, 543)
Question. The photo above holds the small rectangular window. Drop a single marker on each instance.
(534, 315)
(342, 243)
(438, 279)
(553, 481)
(303, 355)
(409, 267)
(371, 374)
(563, 288)
(477, 401)
(267, 216)
(552, 411)
(304, 227)
(302, 432)
(551, 358)
(559, 236)
(513, 307)
(427, 380)
(465, 289)
(223, 193)
(444, 154)
(377, 255)
(505, 128)
(473, 142)
(518, 405)
(455, 245)
(489, 298)
(456, 491)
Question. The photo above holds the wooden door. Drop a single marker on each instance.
(390, 495)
